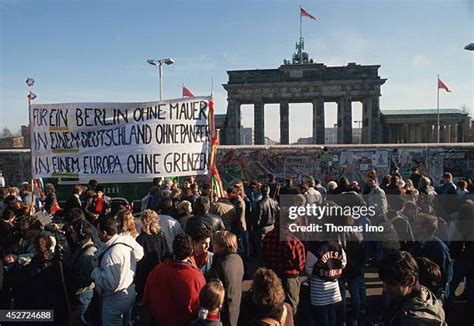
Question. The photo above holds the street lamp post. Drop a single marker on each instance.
(159, 63)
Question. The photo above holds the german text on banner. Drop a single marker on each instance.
(120, 142)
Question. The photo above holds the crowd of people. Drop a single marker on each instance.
(182, 256)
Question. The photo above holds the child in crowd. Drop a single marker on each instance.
(211, 299)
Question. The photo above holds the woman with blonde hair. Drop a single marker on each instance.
(264, 302)
(155, 248)
(126, 223)
(228, 267)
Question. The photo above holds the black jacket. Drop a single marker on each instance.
(267, 212)
(208, 221)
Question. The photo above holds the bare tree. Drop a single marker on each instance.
(6, 133)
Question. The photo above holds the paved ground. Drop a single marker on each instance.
(456, 314)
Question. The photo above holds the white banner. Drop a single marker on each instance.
(120, 142)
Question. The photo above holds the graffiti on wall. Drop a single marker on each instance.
(328, 164)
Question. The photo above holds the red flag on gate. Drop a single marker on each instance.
(304, 13)
(442, 85)
(187, 92)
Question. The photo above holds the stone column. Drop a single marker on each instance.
(424, 133)
(366, 120)
(318, 120)
(232, 122)
(371, 130)
(259, 123)
(428, 129)
(460, 132)
(344, 121)
(389, 138)
(284, 122)
(405, 134)
(375, 130)
(447, 128)
(453, 133)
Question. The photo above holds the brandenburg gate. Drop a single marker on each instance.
(306, 82)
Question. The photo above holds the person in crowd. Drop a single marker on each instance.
(44, 287)
(429, 246)
(427, 191)
(448, 187)
(228, 267)
(76, 214)
(168, 208)
(377, 198)
(332, 188)
(319, 187)
(169, 225)
(288, 188)
(126, 223)
(30, 228)
(284, 253)
(325, 262)
(393, 187)
(462, 190)
(239, 225)
(412, 303)
(172, 288)
(113, 278)
(312, 195)
(102, 204)
(74, 201)
(267, 213)
(461, 248)
(429, 275)
(7, 229)
(264, 303)
(155, 249)
(274, 187)
(202, 257)
(415, 177)
(211, 300)
(79, 266)
(202, 219)
(185, 212)
(152, 199)
(385, 182)
(51, 202)
(225, 210)
(400, 222)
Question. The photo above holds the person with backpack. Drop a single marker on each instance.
(325, 261)
(113, 278)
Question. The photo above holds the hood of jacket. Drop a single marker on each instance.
(422, 305)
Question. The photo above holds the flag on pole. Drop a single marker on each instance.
(442, 85)
(187, 92)
(30, 82)
(31, 96)
(304, 13)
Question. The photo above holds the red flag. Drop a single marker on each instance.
(442, 85)
(304, 13)
(187, 92)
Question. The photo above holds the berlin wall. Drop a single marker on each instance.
(324, 162)
(352, 161)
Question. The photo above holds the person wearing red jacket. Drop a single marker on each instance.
(172, 289)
